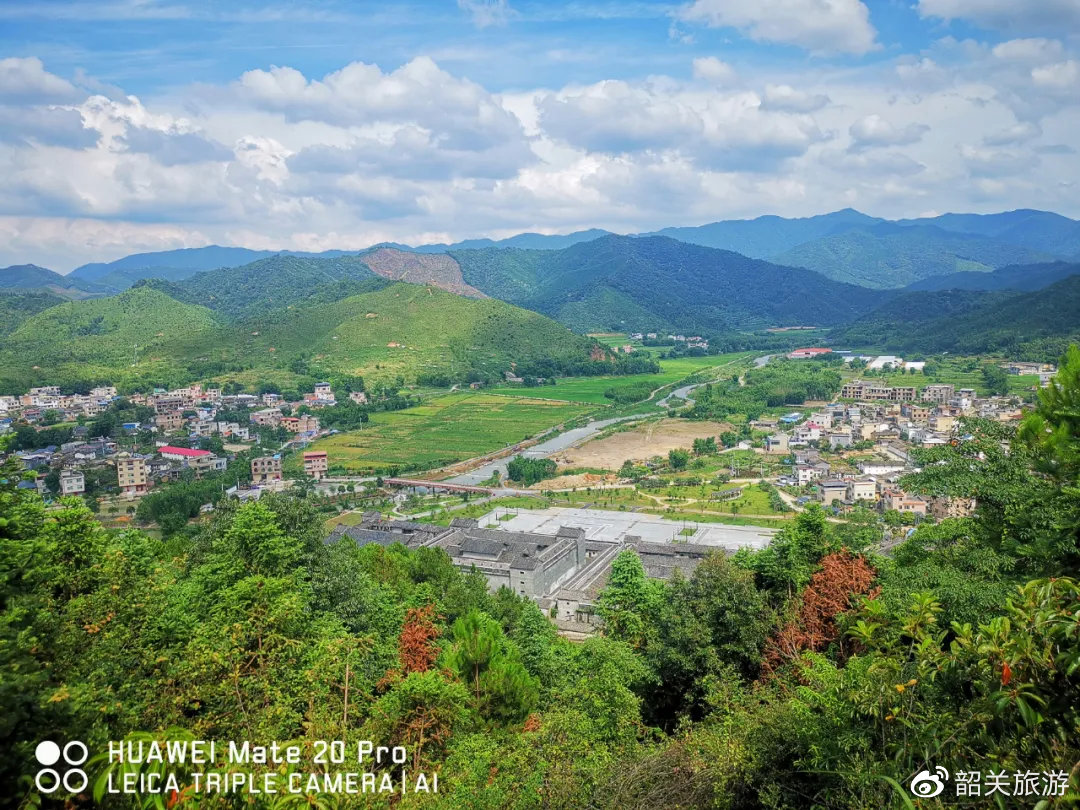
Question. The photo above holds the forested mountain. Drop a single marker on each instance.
(173, 262)
(1014, 277)
(1034, 325)
(103, 338)
(656, 282)
(845, 245)
(888, 255)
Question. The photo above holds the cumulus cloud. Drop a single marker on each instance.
(716, 130)
(1060, 76)
(873, 131)
(54, 126)
(26, 80)
(819, 26)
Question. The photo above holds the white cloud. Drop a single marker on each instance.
(786, 98)
(1015, 134)
(713, 129)
(873, 130)
(1028, 50)
(711, 69)
(819, 26)
(1061, 76)
(26, 80)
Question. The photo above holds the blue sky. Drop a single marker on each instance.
(143, 124)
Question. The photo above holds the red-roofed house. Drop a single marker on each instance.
(181, 453)
(808, 354)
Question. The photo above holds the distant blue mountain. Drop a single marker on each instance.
(1036, 230)
(768, 236)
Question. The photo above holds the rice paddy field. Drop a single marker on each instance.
(591, 389)
(445, 429)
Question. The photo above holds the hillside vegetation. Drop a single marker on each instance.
(1014, 277)
(1033, 325)
(17, 306)
(102, 338)
(654, 282)
(146, 336)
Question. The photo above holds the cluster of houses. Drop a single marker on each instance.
(890, 421)
(692, 341)
(191, 411)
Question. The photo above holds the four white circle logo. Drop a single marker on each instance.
(48, 779)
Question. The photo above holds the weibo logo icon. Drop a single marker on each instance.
(926, 785)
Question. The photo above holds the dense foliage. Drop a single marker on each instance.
(781, 382)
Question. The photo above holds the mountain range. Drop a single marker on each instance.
(845, 245)
(949, 283)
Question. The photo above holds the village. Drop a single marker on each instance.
(848, 455)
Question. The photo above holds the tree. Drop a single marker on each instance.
(678, 458)
(490, 667)
(629, 601)
(995, 379)
(705, 447)
(842, 577)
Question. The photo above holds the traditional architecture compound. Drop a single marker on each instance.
(562, 572)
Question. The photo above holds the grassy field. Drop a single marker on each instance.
(443, 430)
(591, 389)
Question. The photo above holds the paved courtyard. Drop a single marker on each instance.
(604, 525)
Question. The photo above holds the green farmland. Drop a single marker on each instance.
(445, 429)
(591, 389)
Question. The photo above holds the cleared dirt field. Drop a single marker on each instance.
(653, 439)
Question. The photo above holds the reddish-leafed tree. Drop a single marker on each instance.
(842, 576)
(417, 650)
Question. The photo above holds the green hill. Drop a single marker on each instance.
(888, 256)
(765, 237)
(101, 338)
(407, 330)
(619, 282)
(145, 336)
